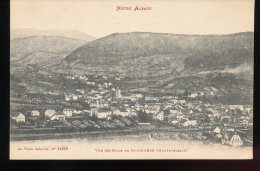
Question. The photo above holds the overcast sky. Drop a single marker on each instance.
(100, 18)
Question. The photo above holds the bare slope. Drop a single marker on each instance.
(41, 49)
(149, 54)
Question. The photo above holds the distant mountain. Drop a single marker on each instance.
(41, 50)
(159, 62)
(75, 34)
(230, 51)
(150, 54)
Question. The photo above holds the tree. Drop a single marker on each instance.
(204, 119)
(142, 116)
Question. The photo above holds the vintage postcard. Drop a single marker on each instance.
(131, 79)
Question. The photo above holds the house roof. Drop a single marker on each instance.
(104, 110)
(122, 110)
(50, 110)
(171, 116)
(34, 111)
(159, 113)
(32, 118)
(59, 113)
(17, 114)
(154, 108)
(183, 120)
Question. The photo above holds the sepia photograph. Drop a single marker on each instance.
(131, 79)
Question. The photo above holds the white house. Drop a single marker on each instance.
(212, 93)
(94, 104)
(70, 77)
(75, 97)
(97, 96)
(174, 122)
(201, 93)
(244, 123)
(241, 107)
(105, 104)
(151, 98)
(35, 113)
(67, 97)
(138, 95)
(248, 110)
(49, 113)
(133, 113)
(175, 111)
(82, 78)
(225, 117)
(67, 112)
(219, 136)
(217, 130)
(19, 118)
(77, 112)
(194, 95)
(81, 91)
(159, 116)
(231, 129)
(153, 109)
(58, 117)
(214, 89)
(175, 101)
(103, 113)
(236, 140)
(122, 112)
(182, 101)
(190, 123)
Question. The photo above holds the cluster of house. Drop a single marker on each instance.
(172, 111)
(51, 115)
(228, 136)
(104, 101)
(191, 114)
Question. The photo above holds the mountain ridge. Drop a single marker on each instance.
(27, 32)
(118, 46)
(41, 49)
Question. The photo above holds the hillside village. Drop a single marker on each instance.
(97, 103)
